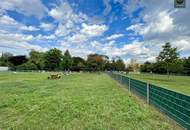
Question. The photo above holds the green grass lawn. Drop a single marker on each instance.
(77, 102)
(177, 83)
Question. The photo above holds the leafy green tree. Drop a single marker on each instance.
(67, 61)
(52, 59)
(113, 65)
(146, 67)
(108, 66)
(37, 58)
(120, 65)
(4, 59)
(186, 66)
(168, 56)
(95, 62)
(159, 67)
(78, 64)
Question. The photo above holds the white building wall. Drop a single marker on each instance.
(2, 68)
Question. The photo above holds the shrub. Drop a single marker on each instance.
(27, 66)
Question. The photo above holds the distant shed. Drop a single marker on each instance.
(4, 68)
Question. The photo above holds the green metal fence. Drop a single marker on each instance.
(175, 105)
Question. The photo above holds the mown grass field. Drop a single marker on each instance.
(176, 83)
(78, 102)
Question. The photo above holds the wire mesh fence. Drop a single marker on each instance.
(175, 105)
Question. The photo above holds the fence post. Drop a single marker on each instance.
(148, 93)
(129, 85)
(121, 79)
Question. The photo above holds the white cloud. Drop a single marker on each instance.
(87, 32)
(183, 44)
(157, 25)
(64, 12)
(93, 30)
(47, 26)
(114, 36)
(18, 42)
(45, 37)
(9, 23)
(69, 21)
(26, 7)
(7, 20)
(163, 23)
(65, 29)
(78, 38)
(29, 28)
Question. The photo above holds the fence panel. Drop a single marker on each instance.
(139, 87)
(175, 105)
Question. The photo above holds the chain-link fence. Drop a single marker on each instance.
(175, 105)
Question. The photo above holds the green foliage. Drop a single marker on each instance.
(168, 56)
(95, 62)
(146, 67)
(52, 59)
(27, 66)
(37, 58)
(120, 65)
(168, 62)
(78, 64)
(67, 61)
(4, 59)
(186, 66)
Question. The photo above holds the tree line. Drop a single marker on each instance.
(168, 62)
(54, 60)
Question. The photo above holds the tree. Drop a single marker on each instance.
(52, 59)
(78, 64)
(67, 61)
(27, 66)
(37, 58)
(186, 66)
(133, 66)
(146, 67)
(108, 66)
(159, 68)
(120, 65)
(113, 65)
(17, 60)
(4, 59)
(95, 62)
(168, 56)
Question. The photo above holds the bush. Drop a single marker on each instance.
(27, 66)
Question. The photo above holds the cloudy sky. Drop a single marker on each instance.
(125, 28)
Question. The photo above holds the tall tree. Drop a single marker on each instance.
(37, 58)
(4, 59)
(95, 62)
(78, 64)
(120, 65)
(168, 56)
(146, 67)
(52, 59)
(186, 66)
(67, 61)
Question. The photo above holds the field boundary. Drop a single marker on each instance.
(173, 104)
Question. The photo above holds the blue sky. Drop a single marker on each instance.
(130, 29)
